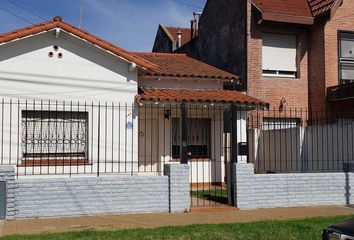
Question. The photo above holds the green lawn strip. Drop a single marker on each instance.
(307, 229)
(217, 195)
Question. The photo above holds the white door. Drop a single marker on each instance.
(148, 145)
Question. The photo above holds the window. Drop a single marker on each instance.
(199, 140)
(346, 57)
(52, 134)
(280, 123)
(279, 55)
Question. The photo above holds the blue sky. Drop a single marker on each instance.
(131, 24)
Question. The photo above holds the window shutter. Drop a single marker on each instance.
(279, 52)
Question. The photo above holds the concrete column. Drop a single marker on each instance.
(7, 174)
(242, 175)
(179, 199)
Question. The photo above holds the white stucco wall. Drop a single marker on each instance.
(158, 146)
(85, 74)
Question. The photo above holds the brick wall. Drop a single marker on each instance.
(221, 41)
(317, 89)
(290, 190)
(269, 89)
(342, 20)
(56, 197)
(324, 53)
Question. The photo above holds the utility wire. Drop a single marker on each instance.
(81, 12)
(33, 13)
(14, 14)
(188, 4)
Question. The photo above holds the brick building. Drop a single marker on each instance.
(288, 53)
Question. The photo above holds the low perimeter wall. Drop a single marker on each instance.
(55, 197)
(290, 190)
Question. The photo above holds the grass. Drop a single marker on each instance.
(216, 195)
(307, 229)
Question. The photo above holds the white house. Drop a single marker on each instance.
(74, 104)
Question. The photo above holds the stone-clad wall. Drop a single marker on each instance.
(7, 173)
(55, 197)
(179, 187)
(290, 190)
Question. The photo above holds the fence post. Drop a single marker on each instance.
(98, 138)
(184, 134)
(234, 155)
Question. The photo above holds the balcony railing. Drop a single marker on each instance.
(340, 92)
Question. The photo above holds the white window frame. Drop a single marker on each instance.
(270, 123)
(290, 71)
(344, 62)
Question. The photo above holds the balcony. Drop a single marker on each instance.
(340, 92)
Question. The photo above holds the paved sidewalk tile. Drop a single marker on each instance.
(166, 219)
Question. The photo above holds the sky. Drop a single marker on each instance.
(130, 24)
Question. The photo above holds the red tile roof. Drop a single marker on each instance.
(299, 8)
(319, 7)
(186, 34)
(58, 23)
(290, 7)
(197, 95)
(180, 65)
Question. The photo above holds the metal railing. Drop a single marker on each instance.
(301, 140)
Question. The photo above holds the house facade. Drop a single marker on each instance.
(73, 104)
(289, 53)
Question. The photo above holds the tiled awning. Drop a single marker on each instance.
(197, 96)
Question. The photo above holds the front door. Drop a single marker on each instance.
(148, 145)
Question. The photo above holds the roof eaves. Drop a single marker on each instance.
(98, 42)
(286, 18)
(165, 29)
(334, 7)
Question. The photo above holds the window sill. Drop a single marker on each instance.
(53, 162)
(280, 78)
(194, 159)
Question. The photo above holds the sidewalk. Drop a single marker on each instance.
(165, 219)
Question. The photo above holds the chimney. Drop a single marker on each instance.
(195, 24)
(179, 41)
(192, 29)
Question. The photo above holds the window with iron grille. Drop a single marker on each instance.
(346, 57)
(54, 134)
(199, 137)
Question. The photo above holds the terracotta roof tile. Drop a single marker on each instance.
(186, 34)
(302, 8)
(58, 23)
(291, 7)
(180, 65)
(197, 95)
(319, 7)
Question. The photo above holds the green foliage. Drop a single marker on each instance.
(307, 229)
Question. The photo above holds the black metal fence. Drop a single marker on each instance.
(301, 140)
(42, 137)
